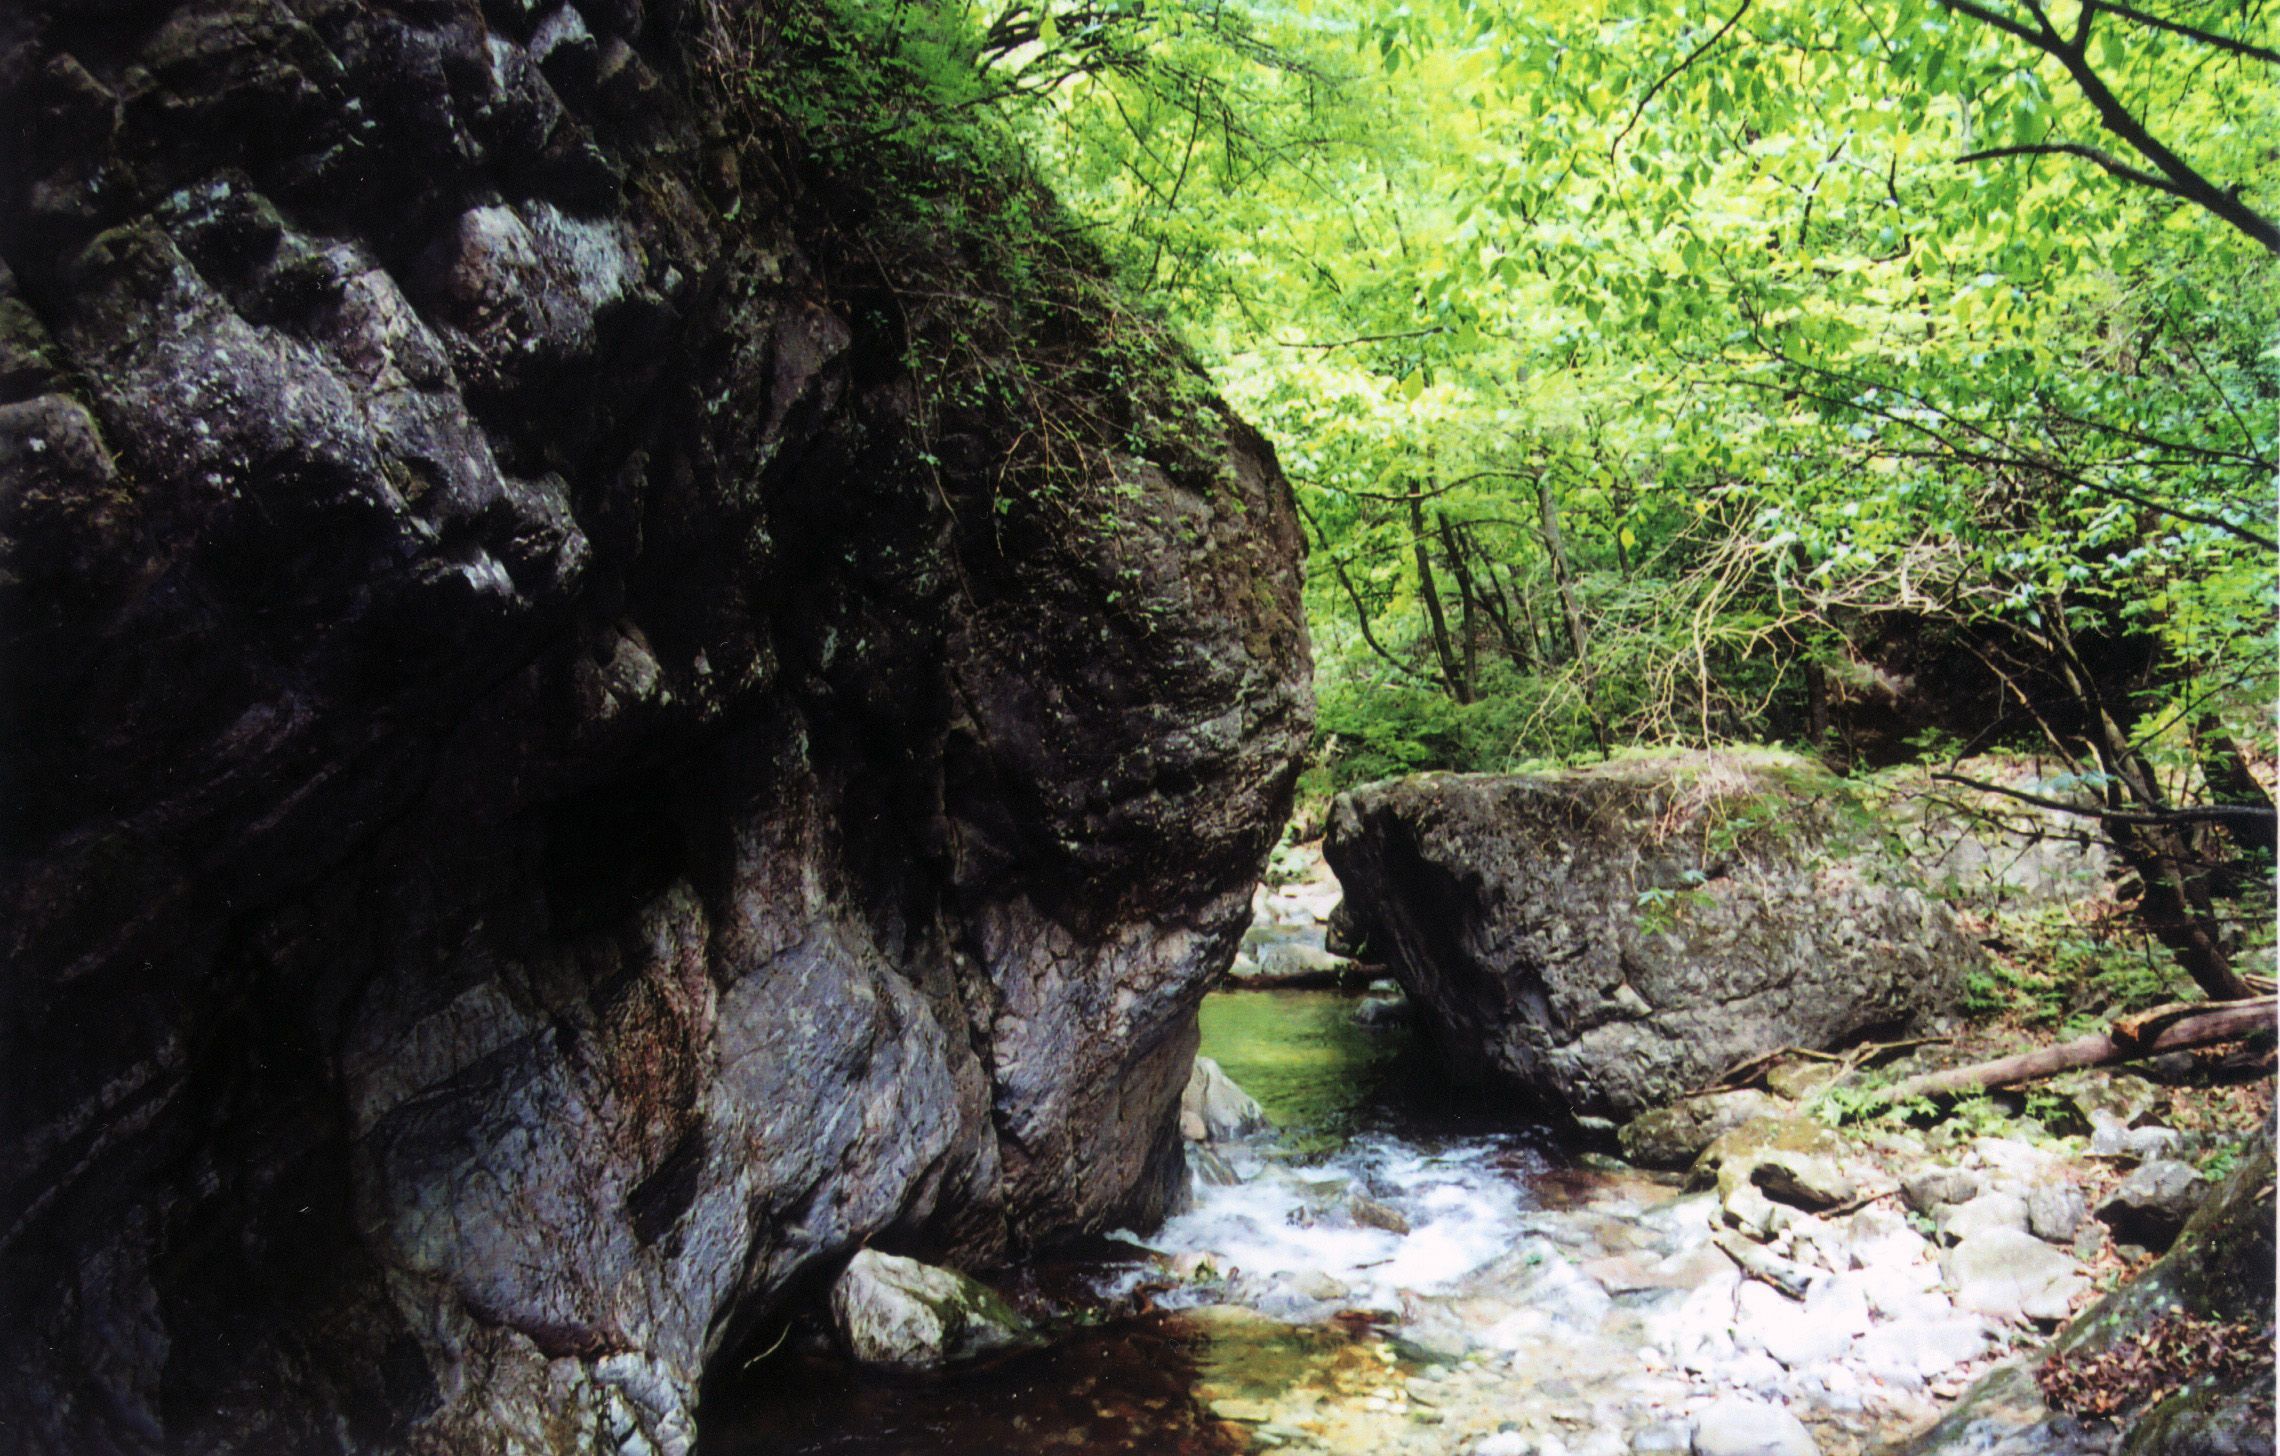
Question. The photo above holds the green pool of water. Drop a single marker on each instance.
(1317, 1072)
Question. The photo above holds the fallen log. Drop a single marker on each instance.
(2165, 1029)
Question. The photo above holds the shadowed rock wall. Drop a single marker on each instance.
(551, 790)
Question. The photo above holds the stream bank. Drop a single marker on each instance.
(1392, 1271)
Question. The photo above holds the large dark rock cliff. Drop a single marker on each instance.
(597, 709)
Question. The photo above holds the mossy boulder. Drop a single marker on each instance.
(1612, 938)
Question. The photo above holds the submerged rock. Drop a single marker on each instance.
(567, 761)
(900, 1313)
(1612, 937)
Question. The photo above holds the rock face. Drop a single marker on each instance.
(569, 760)
(1611, 938)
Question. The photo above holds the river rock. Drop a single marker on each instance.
(1214, 1109)
(2221, 1269)
(1292, 958)
(1928, 1187)
(1674, 1136)
(2008, 1273)
(1609, 938)
(899, 1313)
(2056, 1210)
(2153, 1203)
(1794, 1159)
(1739, 1426)
(565, 769)
(1370, 1213)
(1994, 1209)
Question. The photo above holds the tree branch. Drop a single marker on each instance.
(1372, 338)
(2185, 182)
(2202, 814)
(2106, 160)
(2190, 32)
(1671, 75)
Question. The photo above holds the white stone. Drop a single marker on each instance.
(1214, 1109)
(1784, 1328)
(1994, 1209)
(2009, 1273)
(898, 1312)
(1739, 1427)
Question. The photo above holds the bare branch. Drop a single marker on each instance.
(2202, 814)
(2106, 160)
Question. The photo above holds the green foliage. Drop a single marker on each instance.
(1722, 300)
(2058, 971)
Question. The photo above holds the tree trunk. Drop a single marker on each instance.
(1459, 688)
(1555, 546)
(1494, 602)
(2225, 770)
(1466, 596)
(2178, 905)
(2170, 1029)
(1816, 705)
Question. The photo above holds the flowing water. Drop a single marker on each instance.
(1387, 1270)
(1369, 1189)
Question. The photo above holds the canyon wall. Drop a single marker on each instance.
(599, 706)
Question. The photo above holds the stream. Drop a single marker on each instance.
(1394, 1270)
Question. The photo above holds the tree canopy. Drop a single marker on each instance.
(1675, 374)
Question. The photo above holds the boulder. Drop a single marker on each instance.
(568, 762)
(1933, 1184)
(1608, 939)
(1995, 1209)
(1296, 960)
(904, 1315)
(1344, 934)
(1794, 1159)
(1214, 1109)
(1674, 1136)
(2056, 1210)
(2153, 1203)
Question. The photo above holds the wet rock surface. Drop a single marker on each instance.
(548, 799)
(1609, 939)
